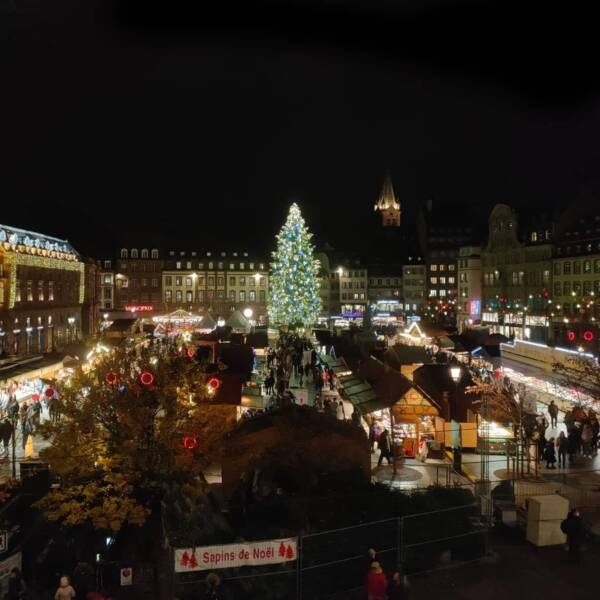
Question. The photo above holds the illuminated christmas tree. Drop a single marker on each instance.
(294, 295)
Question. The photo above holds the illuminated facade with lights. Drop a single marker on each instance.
(469, 287)
(517, 280)
(217, 282)
(42, 290)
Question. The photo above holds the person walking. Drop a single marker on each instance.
(574, 529)
(384, 448)
(213, 583)
(17, 590)
(572, 444)
(372, 436)
(550, 454)
(376, 583)
(83, 579)
(65, 590)
(553, 412)
(562, 445)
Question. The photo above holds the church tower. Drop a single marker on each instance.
(388, 204)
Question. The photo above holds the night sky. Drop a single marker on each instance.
(153, 122)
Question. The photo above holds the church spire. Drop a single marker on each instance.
(388, 204)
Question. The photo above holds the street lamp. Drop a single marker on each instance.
(455, 373)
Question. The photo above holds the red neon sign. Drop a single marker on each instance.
(139, 307)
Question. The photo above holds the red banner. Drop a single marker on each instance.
(266, 552)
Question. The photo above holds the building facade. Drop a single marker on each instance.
(42, 290)
(138, 280)
(218, 282)
(517, 280)
(90, 310)
(469, 287)
(576, 285)
(414, 288)
(106, 282)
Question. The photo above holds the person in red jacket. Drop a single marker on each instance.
(376, 583)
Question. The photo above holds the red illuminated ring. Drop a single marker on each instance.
(588, 336)
(190, 442)
(49, 393)
(570, 335)
(214, 383)
(110, 378)
(191, 352)
(147, 378)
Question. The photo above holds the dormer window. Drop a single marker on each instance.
(134, 253)
(123, 252)
(154, 253)
(145, 253)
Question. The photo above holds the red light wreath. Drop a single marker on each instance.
(110, 378)
(588, 336)
(49, 392)
(190, 442)
(147, 378)
(191, 352)
(214, 383)
(570, 335)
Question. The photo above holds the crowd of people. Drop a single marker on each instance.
(581, 438)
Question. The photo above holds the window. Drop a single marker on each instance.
(123, 252)
(566, 288)
(107, 293)
(577, 287)
(134, 283)
(200, 295)
(261, 294)
(201, 280)
(189, 296)
(597, 286)
(107, 279)
(433, 280)
(220, 281)
(154, 253)
(433, 292)
(178, 296)
(252, 280)
(451, 279)
(587, 288)
(232, 281)
(168, 295)
(221, 295)
(546, 276)
(242, 296)
(597, 265)
(178, 265)
(219, 265)
(362, 295)
(144, 253)
(451, 267)
(211, 281)
(30, 291)
(178, 280)
(534, 236)
(242, 280)
(566, 308)
(231, 266)
(587, 266)
(576, 267)
(124, 282)
(201, 266)
(134, 253)
(261, 266)
(107, 264)
(50, 290)
(41, 291)
(168, 280)
(188, 265)
(242, 266)
(442, 267)
(210, 265)
(442, 293)
(557, 268)
(155, 283)
(566, 268)
(252, 296)
(557, 289)
(144, 282)
(251, 267)
(232, 295)
(188, 281)
(433, 267)
(443, 280)
(521, 277)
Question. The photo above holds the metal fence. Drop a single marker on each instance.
(335, 561)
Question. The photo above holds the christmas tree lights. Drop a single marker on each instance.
(294, 297)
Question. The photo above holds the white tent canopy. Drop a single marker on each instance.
(238, 322)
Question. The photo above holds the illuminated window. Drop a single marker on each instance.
(451, 267)
(433, 267)
(242, 296)
(232, 281)
(252, 296)
(442, 293)
(188, 281)
(178, 280)
(433, 280)
(41, 291)
(433, 292)
(154, 253)
(442, 267)
(144, 253)
(134, 253)
(123, 252)
(178, 296)
(50, 290)
(168, 295)
(178, 265)
(188, 265)
(30, 291)
(242, 280)
(168, 280)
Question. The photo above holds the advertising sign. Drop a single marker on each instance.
(266, 552)
(126, 576)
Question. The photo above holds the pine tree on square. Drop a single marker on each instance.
(294, 296)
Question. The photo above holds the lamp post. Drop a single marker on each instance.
(455, 373)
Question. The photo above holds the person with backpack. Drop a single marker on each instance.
(574, 529)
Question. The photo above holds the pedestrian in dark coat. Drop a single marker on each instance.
(385, 448)
(574, 529)
(550, 454)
